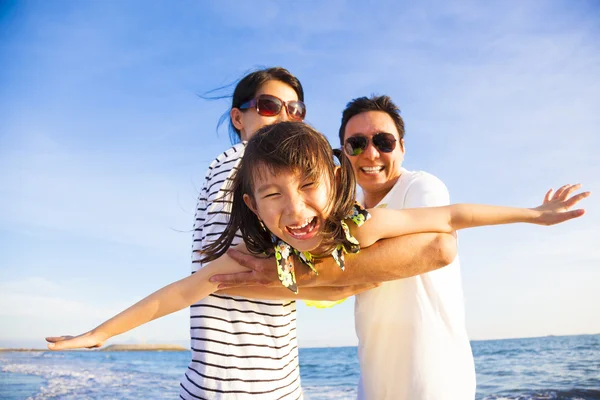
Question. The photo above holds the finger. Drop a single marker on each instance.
(568, 191)
(572, 214)
(565, 216)
(54, 339)
(548, 196)
(244, 260)
(576, 199)
(70, 343)
(236, 279)
(241, 248)
(560, 191)
(225, 286)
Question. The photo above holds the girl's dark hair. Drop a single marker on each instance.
(286, 146)
(247, 87)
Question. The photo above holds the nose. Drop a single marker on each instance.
(294, 205)
(283, 115)
(371, 152)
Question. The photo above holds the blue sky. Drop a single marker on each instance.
(104, 143)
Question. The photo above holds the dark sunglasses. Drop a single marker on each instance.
(270, 106)
(383, 142)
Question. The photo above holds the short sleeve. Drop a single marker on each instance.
(426, 191)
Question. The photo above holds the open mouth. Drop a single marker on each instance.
(372, 170)
(305, 230)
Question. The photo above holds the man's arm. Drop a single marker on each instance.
(322, 293)
(386, 260)
(389, 260)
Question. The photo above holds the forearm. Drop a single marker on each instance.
(472, 215)
(386, 260)
(388, 223)
(169, 299)
(322, 293)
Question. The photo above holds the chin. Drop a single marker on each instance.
(303, 246)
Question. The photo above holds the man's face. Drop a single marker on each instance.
(375, 170)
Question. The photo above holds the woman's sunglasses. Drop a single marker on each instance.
(383, 142)
(270, 106)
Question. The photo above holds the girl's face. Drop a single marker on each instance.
(249, 121)
(292, 207)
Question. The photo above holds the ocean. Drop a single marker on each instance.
(557, 367)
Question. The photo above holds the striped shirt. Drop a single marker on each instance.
(241, 348)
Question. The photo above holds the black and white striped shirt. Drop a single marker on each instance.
(241, 348)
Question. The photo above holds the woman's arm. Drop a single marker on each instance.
(167, 300)
(386, 223)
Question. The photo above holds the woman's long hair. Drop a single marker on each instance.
(286, 146)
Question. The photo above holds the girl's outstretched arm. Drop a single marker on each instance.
(167, 300)
(385, 223)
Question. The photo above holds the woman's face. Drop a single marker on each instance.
(248, 121)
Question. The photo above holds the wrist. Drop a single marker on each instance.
(305, 277)
(532, 215)
(100, 334)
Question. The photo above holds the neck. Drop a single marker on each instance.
(373, 197)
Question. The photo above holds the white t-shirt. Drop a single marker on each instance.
(241, 348)
(413, 343)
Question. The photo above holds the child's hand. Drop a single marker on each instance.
(88, 340)
(555, 208)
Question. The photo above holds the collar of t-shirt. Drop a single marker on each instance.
(360, 196)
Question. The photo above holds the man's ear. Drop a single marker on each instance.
(236, 118)
(250, 204)
(402, 145)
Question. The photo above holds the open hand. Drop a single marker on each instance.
(88, 340)
(556, 206)
(262, 271)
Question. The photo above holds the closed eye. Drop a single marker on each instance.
(271, 195)
(308, 185)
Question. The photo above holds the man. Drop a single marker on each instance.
(413, 342)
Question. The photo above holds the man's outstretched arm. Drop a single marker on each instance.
(386, 260)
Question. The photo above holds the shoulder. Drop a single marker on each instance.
(233, 153)
(226, 160)
(422, 189)
(421, 180)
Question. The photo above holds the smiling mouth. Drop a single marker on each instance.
(372, 170)
(304, 231)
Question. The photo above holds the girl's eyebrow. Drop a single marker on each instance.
(265, 187)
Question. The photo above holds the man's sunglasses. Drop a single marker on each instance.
(383, 142)
(270, 106)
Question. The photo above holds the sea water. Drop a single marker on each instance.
(562, 368)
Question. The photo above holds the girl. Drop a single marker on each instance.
(290, 197)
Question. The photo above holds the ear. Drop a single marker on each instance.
(250, 204)
(236, 118)
(337, 173)
(402, 146)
